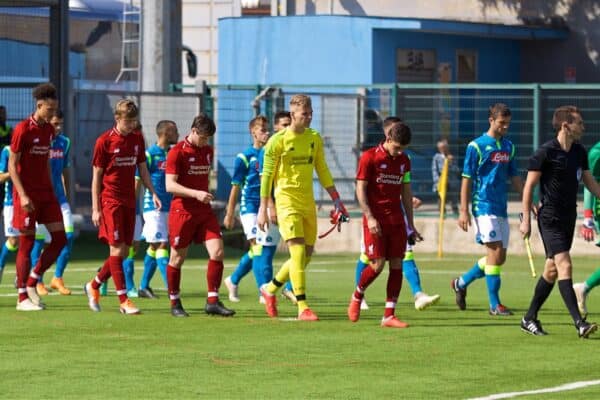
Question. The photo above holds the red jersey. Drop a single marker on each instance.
(384, 175)
(33, 142)
(192, 165)
(118, 155)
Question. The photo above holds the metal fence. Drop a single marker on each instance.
(93, 114)
(349, 118)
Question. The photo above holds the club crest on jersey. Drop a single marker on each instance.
(36, 140)
(135, 149)
(500, 157)
(579, 173)
(383, 166)
(117, 150)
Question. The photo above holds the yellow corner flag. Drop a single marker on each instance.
(442, 188)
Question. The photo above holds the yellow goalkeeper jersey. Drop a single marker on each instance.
(289, 161)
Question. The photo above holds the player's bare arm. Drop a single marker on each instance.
(179, 190)
(4, 176)
(272, 211)
(262, 218)
(407, 202)
(361, 195)
(26, 203)
(464, 217)
(145, 175)
(533, 178)
(97, 173)
(66, 181)
(230, 210)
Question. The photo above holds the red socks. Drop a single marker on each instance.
(173, 282)
(394, 284)
(214, 275)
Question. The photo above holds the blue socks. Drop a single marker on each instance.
(411, 273)
(361, 264)
(149, 268)
(128, 269)
(492, 278)
(243, 268)
(262, 264)
(162, 260)
(64, 256)
(476, 272)
(36, 251)
(6, 250)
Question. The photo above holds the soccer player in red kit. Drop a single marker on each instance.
(382, 182)
(34, 199)
(117, 153)
(191, 217)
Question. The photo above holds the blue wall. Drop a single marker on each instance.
(294, 50)
(498, 59)
(24, 60)
(347, 50)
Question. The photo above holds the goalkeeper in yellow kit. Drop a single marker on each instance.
(290, 159)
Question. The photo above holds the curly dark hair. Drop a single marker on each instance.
(45, 91)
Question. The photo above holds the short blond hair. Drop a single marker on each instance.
(126, 108)
(300, 100)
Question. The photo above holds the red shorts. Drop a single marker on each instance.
(390, 244)
(45, 212)
(185, 228)
(117, 224)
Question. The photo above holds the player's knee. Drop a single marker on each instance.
(217, 254)
(378, 264)
(13, 241)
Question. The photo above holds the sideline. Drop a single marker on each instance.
(561, 388)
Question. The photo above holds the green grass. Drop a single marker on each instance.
(69, 352)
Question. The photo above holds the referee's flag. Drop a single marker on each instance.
(443, 183)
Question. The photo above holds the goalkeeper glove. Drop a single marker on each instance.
(339, 206)
(588, 228)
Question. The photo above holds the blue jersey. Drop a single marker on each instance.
(8, 186)
(246, 174)
(59, 160)
(156, 160)
(489, 163)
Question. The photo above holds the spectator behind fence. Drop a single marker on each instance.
(437, 164)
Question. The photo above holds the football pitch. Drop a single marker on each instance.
(68, 352)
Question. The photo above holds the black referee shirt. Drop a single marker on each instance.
(561, 173)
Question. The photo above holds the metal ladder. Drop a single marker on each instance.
(131, 44)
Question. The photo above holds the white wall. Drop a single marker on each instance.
(199, 32)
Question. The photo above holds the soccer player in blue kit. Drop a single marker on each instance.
(489, 164)
(246, 179)
(155, 231)
(10, 233)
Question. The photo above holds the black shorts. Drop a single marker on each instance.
(557, 231)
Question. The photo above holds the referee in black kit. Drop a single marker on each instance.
(558, 165)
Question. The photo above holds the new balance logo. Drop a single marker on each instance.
(115, 151)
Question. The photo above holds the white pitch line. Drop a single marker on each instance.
(561, 388)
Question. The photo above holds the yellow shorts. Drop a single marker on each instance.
(296, 223)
